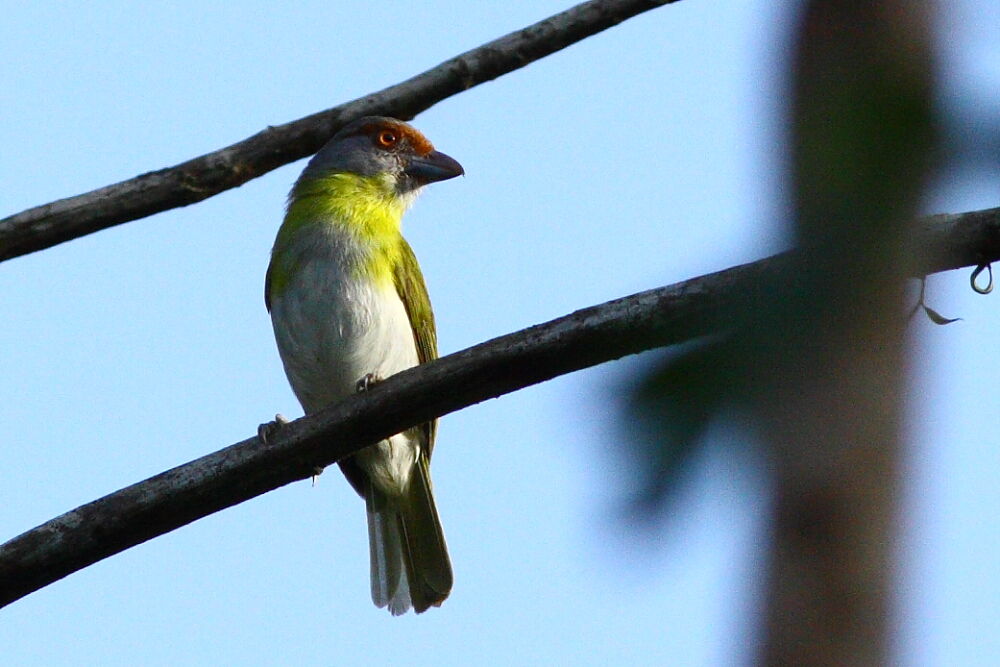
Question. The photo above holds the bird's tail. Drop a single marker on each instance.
(409, 557)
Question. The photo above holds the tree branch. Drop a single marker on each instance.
(588, 337)
(202, 177)
(953, 240)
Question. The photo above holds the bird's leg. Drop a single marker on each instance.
(368, 381)
(268, 429)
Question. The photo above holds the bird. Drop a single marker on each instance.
(349, 307)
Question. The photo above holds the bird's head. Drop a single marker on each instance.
(386, 149)
(362, 182)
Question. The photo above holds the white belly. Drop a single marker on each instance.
(332, 329)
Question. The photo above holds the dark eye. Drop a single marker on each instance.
(387, 138)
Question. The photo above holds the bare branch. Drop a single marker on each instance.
(663, 316)
(953, 240)
(202, 177)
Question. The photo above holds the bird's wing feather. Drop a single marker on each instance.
(413, 292)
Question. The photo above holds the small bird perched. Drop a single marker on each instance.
(349, 307)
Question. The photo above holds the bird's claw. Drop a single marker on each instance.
(368, 381)
(267, 429)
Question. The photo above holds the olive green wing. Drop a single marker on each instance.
(413, 292)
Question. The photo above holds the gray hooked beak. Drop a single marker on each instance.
(435, 166)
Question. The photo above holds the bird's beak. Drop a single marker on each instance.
(435, 166)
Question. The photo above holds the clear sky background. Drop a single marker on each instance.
(645, 155)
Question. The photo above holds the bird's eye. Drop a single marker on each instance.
(387, 138)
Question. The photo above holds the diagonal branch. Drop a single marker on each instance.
(202, 177)
(659, 317)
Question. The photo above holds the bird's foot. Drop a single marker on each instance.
(367, 382)
(266, 430)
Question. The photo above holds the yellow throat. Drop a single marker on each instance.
(367, 208)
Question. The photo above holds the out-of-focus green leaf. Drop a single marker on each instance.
(674, 405)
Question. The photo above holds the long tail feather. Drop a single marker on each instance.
(409, 556)
(430, 568)
(390, 587)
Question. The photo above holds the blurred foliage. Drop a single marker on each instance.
(862, 133)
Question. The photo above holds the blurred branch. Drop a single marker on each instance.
(655, 318)
(864, 138)
(202, 177)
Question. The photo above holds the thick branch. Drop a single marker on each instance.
(585, 338)
(192, 181)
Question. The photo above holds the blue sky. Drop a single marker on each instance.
(642, 156)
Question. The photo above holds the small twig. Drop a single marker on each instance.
(921, 304)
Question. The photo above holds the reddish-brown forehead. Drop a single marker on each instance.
(421, 145)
